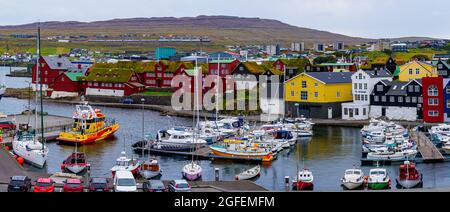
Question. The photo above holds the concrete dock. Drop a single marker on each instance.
(9, 167)
(53, 125)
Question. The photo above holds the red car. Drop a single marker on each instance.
(44, 185)
(73, 185)
(7, 125)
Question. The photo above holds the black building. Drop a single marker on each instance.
(394, 95)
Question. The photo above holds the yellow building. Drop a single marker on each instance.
(416, 70)
(318, 94)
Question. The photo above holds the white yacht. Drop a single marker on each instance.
(25, 145)
(353, 179)
(175, 140)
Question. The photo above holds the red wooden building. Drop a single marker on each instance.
(111, 80)
(226, 67)
(51, 68)
(433, 99)
(161, 75)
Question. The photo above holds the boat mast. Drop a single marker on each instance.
(217, 88)
(41, 92)
(37, 81)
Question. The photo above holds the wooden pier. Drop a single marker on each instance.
(429, 152)
(203, 153)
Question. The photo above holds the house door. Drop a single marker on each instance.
(158, 83)
(350, 112)
(383, 111)
(330, 113)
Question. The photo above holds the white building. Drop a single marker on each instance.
(363, 83)
(298, 47)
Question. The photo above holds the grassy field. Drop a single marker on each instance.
(158, 93)
(54, 48)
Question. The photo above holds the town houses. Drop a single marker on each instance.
(318, 94)
(362, 86)
(390, 88)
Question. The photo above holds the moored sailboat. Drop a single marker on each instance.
(25, 143)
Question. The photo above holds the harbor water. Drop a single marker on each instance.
(327, 154)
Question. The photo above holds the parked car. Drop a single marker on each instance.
(179, 186)
(73, 185)
(44, 185)
(19, 184)
(127, 101)
(99, 185)
(7, 125)
(154, 186)
(124, 182)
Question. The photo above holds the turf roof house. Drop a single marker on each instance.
(293, 67)
(112, 80)
(50, 68)
(243, 75)
(161, 73)
(66, 84)
(203, 69)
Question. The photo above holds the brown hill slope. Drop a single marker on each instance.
(221, 29)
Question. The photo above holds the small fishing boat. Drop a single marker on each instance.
(249, 174)
(123, 163)
(304, 181)
(150, 169)
(379, 179)
(75, 163)
(239, 149)
(353, 179)
(393, 155)
(89, 126)
(409, 176)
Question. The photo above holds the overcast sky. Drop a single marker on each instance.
(364, 18)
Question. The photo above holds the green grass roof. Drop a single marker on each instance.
(73, 76)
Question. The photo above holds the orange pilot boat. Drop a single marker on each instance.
(90, 126)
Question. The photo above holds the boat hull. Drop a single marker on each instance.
(101, 135)
(76, 169)
(378, 185)
(191, 176)
(134, 170)
(352, 185)
(303, 186)
(407, 184)
(263, 157)
(33, 157)
(147, 174)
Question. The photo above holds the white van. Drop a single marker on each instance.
(124, 182)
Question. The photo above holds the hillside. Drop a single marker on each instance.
(220, 29)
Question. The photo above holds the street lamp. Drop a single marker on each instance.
(143, 118)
